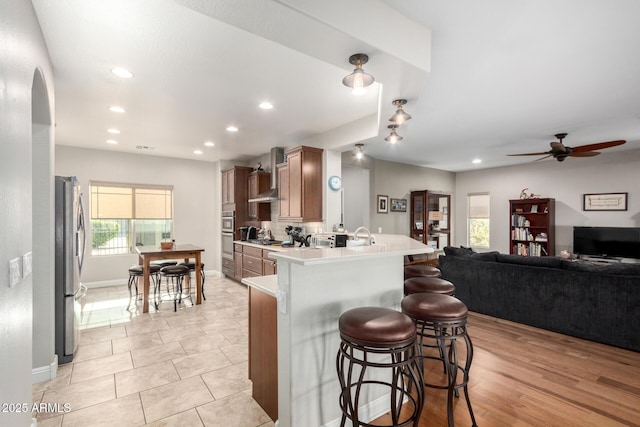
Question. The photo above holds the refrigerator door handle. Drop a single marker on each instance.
(81, 229)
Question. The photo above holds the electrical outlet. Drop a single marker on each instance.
(27, 264)
(14, 272)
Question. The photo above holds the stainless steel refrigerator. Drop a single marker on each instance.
(70, 250)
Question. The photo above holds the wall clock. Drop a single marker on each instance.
(335, 182)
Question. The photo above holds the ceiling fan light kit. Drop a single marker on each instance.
(358, 80)
(560, 152)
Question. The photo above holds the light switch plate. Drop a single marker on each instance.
(27, 264)
(14, 272)
(281, 297)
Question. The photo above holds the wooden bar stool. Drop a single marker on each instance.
(367, 333)
(416, 285)
(419, 270)
(443, 319)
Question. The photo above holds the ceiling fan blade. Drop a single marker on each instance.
(530, 154)
(557, 146)
(598, 146)
(542, 158)
(584, 154)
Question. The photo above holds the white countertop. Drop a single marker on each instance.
(386, 245)
(266, 284)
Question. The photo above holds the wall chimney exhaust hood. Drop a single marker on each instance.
(277, 156)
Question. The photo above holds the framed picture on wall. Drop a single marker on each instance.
(605, 202)
(383, 204)
(398, 205)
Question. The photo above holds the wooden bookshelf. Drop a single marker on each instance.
(532, 227)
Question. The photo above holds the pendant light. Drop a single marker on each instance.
(359, 153)
(400, 116)
(393, 137)
(358, 80)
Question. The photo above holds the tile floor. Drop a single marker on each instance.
(187, 368)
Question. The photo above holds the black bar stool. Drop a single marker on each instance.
(366, 333)
(436, 285)
(192, 268)
(174, 274)
(443, 319)
(418, 270)
(135, 272)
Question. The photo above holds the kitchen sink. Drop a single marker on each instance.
(264, 242)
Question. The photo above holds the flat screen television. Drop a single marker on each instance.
(620, 242)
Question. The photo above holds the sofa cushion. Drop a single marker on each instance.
(484, 256)
(453, 251)
(532, 261)
(617, 268)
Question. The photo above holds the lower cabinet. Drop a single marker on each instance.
(263, 350)
(268, 264)
(251, 261)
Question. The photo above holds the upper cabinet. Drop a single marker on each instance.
(300, 185)
(235, 191)
(430, 218)
(259, 182)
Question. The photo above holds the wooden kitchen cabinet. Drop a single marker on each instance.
(251, 261)
(263, 350)
(300, 184)
(259, 182)
(237, 260)
(235, 192)
(268, 264)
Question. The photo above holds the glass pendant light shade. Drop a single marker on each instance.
(359, 153)
(393, 137)
(358, 80)
(400, 116)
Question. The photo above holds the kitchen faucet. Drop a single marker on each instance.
(359, 229)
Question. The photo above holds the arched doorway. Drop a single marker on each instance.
(42, 203)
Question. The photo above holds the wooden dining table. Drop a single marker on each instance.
(146, 254)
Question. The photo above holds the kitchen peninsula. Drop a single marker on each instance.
(313, 287)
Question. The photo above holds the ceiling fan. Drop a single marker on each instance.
(559, 151)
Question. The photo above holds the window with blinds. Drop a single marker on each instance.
(128, 215)
(478, 220)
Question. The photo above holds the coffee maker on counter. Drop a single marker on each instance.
(248, 232)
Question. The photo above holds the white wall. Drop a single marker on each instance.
(22, 52)
(565, 182)
(196, 196)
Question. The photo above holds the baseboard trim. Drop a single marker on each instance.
(45, 373)
(369, 412)
(118, 282)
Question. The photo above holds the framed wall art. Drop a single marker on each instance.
(383, 204)
(398, 205)
(605, 202)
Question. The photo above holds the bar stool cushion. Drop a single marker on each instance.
(175, 270)
(163, 262)
(376, 327)
(136, 270)
(421, 270)
(191, 265)
(434, 307)
(416, 285)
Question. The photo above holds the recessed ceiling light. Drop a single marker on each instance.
(232, 129)
(116, 109)
(114, 131)
(198, 152)
(112, 141)
(266, 105)
(476, 161)
(209, 144)
(122, 72)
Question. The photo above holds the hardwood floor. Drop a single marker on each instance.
(523, 376)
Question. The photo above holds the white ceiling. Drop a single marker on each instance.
(483, 79)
